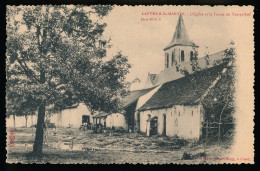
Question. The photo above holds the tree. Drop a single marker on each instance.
(218, 102)
(60, 59)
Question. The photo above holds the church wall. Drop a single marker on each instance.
(178, 49)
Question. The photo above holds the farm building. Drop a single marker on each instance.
(125, 119)
(176, 109)
(73, 116)
(111, 121)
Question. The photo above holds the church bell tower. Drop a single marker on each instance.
(180, 50)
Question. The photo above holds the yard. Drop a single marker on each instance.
(68, 145)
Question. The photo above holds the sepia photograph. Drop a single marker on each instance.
(106, 84)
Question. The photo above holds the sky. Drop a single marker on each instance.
(143, 41)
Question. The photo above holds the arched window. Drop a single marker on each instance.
(176, 122)
(173, 57)
(191, 55)
(166, 60)
(182, 56)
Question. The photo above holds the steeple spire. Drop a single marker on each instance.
(180, 36)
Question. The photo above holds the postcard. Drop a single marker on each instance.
(130, 84)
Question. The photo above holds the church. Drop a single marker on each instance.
(172, 105)
(178, 55)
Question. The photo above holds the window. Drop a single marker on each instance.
(191, 113)
(167, 60)
(191, 55)
(179, 55)
(182, 56)
(176, 122)
(173, 57)
(179, 113)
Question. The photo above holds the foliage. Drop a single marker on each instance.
(56, 55)
(219, 102)
(66, 46)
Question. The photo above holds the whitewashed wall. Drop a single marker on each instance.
(20, 121)
(179, 121)
(71, 116)
(117, 120)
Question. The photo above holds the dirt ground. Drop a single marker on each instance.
(75, 146)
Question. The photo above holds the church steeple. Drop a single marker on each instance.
(180, 36)
(180, 49)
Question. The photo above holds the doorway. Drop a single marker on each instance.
(154, 125)
(164, 124)
(85, 119)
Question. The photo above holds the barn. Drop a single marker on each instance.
(176, 109)
(72, 116)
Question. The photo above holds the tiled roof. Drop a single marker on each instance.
(183, 91)
(134, 95)
(101, 114)
(171, 74)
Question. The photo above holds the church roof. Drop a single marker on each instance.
(170, 74)
(183, 91)
(180, 36)
(134, 96)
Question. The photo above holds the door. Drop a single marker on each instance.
(164, 124)
(154, 125)
(85, 119)
(138, 121)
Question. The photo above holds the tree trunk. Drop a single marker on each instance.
(220, 120)
(14, 120)
(38, 143)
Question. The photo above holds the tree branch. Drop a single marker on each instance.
(26, 69)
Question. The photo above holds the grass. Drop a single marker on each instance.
(111, 148)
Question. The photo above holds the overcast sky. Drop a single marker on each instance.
(143, 41)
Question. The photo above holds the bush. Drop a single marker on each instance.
(186, 156)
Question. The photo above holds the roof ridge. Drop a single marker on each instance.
(214, 83)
